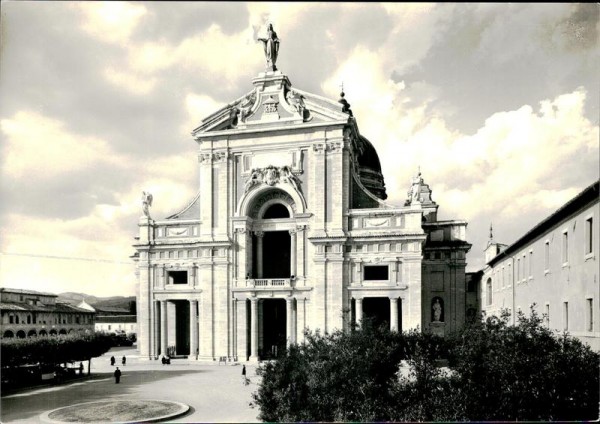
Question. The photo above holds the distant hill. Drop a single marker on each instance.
(122, 302)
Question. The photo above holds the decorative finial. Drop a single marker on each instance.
(271, 46)
(344, 102)
(342, 94)
(419, 170)
(491, 232)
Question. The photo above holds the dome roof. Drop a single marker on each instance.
(370, 168)
(369, 158)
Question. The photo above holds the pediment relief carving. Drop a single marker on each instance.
(272, 175)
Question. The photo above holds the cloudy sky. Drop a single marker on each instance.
(497, 103)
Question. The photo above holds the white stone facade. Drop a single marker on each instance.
(289, 232)
(555, 267)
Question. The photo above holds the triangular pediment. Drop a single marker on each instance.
(273, 102)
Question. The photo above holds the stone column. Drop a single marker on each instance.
(358, 308)
(254, 328)
(259, 253)
(193, 329)
(156, 334)
(289, 320)
(293, 253)
(393, 314)
(163, 328)
(300, 253)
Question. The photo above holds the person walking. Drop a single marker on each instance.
(244, 379)
(117, 375)
(112, 361)
(123, 361)
(81, 368)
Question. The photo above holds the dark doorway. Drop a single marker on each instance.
(276, 254)
(182, 327)
(376, 311)
(274, 328)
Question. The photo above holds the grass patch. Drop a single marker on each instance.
(115, 411)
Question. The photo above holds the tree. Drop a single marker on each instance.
(524, 372)
(53, 350)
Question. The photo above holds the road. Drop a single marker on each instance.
(214, 392)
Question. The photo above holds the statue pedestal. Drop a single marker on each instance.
(146, 229)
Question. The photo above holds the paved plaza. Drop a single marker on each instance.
(215, 393)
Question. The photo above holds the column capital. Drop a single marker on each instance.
(292, 231)
(259, 233)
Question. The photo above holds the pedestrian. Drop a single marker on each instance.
(81, 368)
(123, 360)
(244, 379)
(117, 375)
(163, 360)
(112, 360)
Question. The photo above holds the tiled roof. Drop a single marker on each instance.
(21, 291)
(58, 307)
(116, 319)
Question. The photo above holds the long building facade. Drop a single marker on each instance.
(28, 313)
(290, 231)
(554, 266)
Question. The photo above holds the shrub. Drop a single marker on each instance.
(524, 372)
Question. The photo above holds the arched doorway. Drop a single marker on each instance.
(32, 333)
(20, 334)
(53, 332)
(8, 334)
(43, 333)
(63, 332)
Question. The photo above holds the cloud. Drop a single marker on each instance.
(36, 143)
(138, 85)
(111, 22)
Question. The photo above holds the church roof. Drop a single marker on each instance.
(190, 211)
(274, 102)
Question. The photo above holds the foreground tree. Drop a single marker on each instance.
(495, 371)
(524, 372)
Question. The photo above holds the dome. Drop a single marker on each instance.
(370, 169)
(369, 158)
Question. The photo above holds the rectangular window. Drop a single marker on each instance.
(518, 269)
(178, 277)
(565, 247)
(531, 263)
(590, 314)
(375, 272)
(109, 326)
(566, 316)
(589, 236)
(547, 255)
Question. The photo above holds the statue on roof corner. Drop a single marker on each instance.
(271, 46)
(146, 203)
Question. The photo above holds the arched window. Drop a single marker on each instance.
(276, 210)
(488, 287)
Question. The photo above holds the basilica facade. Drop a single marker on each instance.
(290, 231)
